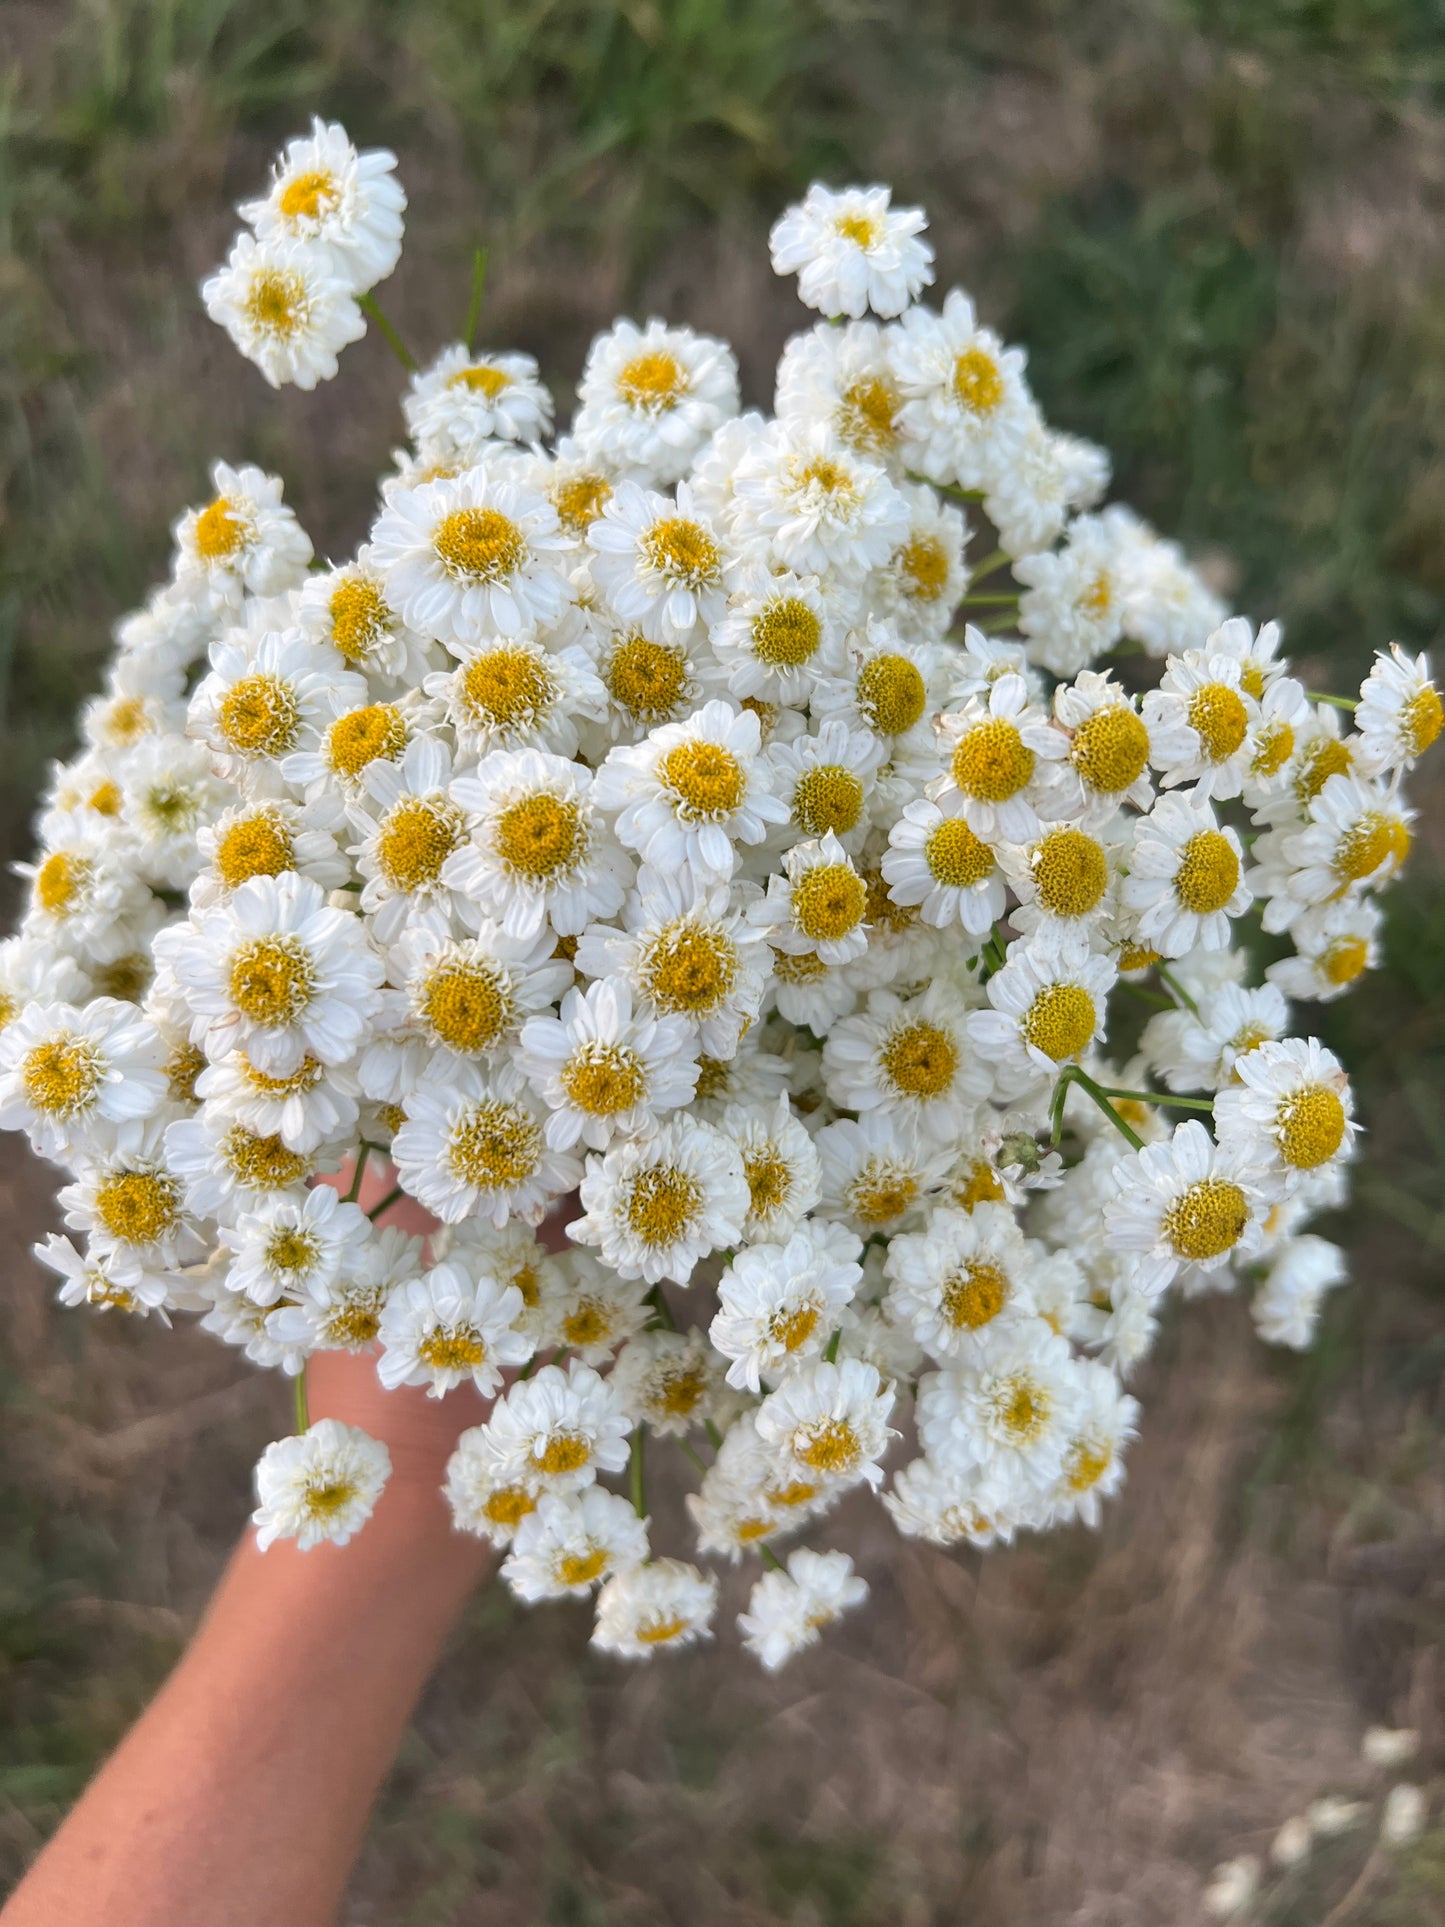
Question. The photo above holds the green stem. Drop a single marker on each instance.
(714, 1436)
(696, 1457)
(357, 1176)
(989, 602)
(1073, 1075)
(303, 1409)
(1168, 977)
(369, 305)
(990, 565)
(387, 1202)
(639, 1490)
(530, 1367)
(1161, 1097)
(1149, 996)
(770, 1558)
(662, 1311)
(474, 306)
(830, 1351)
(1338, 702)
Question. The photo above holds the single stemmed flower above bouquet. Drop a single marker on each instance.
(816, 860)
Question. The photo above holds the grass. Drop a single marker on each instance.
(1216, 229)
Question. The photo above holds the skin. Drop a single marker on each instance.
(242, 1793)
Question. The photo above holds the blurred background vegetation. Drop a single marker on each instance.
(1219, 228)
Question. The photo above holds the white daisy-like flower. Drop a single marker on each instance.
(604, 1072)
(292, 1246)
(1010, 1407)
(263, 697)
(540, 852)
(830, 1422)
(569, 1545)
(1284, 716)
(1356, 838)
(513, 692)
(1047, 1006)
(818, 907)
(810, 504)
(688, 952)
(658, 563)
(1072, 609)
(1201, 720)
(966, 404)
(920, 587)
(345, 608)
(487, 1497)
(780, 632)
(1335, 945)
(690, 791)
(852, 250)
(877, 1173)
(262, 839)
(1287, 1305)
(344, 1314)
(1185, 877)
(826, 778)
(1002, 763)
(663, 1605)
(787, 1611)
(951, 1504)
(669, 1381)
(780, 1163)
(285, 307)
(907, 1058)
(309, 1107)
(653, 1207)
(779, 1304)
(330, 768)
(477, 555)
(244, 539)
(888, 688)
(967, 1274)
(554, 1432)
(1290, 1104)
(1094, 1458)
(336, 202)
(88, 1281)
(513, 1255)
(85, 900)
(934, 860)
(577, 482)
(1186, 1204)
(474, 1144)
(843, 376)
(410, 824)
(276, 972)
(1107, 758)
(588, 1310)
(74, 1078)
(463, 401)
(1196, 1050)
(31, 972)
(320, 1487)
(131, 1206)
(1047, 477)
(228, 1169)
(1399, 714)
(169, 793)
(649, 682)
(1065, 880)
(449, 1326)
(650, 398)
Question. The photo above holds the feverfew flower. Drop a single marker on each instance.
(474, 1144)
(569, 1545)
(446, 1327)
(285, 307)
(655, 1206)
(336, 203)
(1187, 1204)
(1002, 755)
(603, 1072)
(73, 1078)
(319, 1487)
(1048, 1007)
(780, 1304)
(966, 405)
(244, 539)
(830, 1422)
(1200, 721)
(1399, 713)
(787, 1611)
(650, 398)
(852, 250)
(463, 401)
(814, 506)
(818, 907)
(649, 1607)
(1290, 1104)
(658, 563)
(552, 1432)
(1186, 877)
(292, 1247)
(935, 860)
(962, 1277)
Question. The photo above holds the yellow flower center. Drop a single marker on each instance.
(786, 633)
(415, 840)
(183, 1067)
(540, 836)
(1023, 1408)
(1369, 842)
(1206, 1220)
(105, 799)
(1138, 956)
(306, 197)
(956, 858)
(829, 901)
(324, 1500)
(604, 1079)
(923, 564)
(1110, 749)
(825, 477)
(581, 500)
(892, 694)
(648, 679)
(1218, 717)
(714, 1075)
(509, 688)
(979, 1184)
(272, 980)
(974, 1294)
(919, 1060)
(653, 382)
(1086, 1463)
(260, 715)
(292, 1250)
(659, 1628)
(1208, 873)
(831, 1446)
(1344, 960)
(363, 736)
(581, 1568)
(127, 978)
(452, 1348)
(482, 379)
(563, 1452)
(262, 1163)
(689, 967)
(353, 1324)
(682, 552)
(61, 1076)
(1309, 1127)
(1251, 678)
(770, 1180)
(1272, 749)
(882, 1191)
(867, 413)
(62, 880)
(662, 1203)
(1097, 598)
(494, 1146)
(1325, 757)
(218, 530)
(807, 969)
(1060, 1021)
(276, 302)
(827, 797)
(706, 780)
(587, 1323)
(509, 1505)
(792, 1329)
(882, 910)
(1070, 872)
(992, 761)
(468, 1005)
(1421, 719)
(479, 545)
(257, 846)
(137, 1207)
(359, 617)
(977, 381)
(679, 1391)
(861, 229)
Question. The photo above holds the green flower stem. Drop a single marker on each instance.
(990, 565)
(770, 1559)
(358, 1174)
(639, 1489)
(989, 602)
(1338, 702)
(1167, 976)
(714, 1436)
(830, 1351)
(662, 1318)
(369, 305)
(1162, 1097)
(303, 1409)
(387, 1202)
(1148, 996)
(1073, 1075)
(474, 306)
(696, 1457)
(530, 1367)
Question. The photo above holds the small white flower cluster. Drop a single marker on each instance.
(640, 820)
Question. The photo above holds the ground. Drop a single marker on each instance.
(1219, 229)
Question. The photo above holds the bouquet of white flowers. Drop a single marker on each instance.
(674, 819)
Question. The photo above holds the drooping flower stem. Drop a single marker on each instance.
(369, 305)
(1073, 1075)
